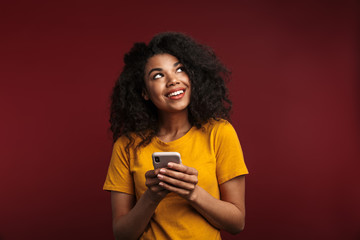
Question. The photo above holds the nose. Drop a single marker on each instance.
(172, 81)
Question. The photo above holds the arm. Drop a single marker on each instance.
(130, 218)
(228, 213)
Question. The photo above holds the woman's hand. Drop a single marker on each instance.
(155, 191)
(179, 179)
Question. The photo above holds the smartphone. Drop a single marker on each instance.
(161, 159)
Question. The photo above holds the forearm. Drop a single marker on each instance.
(133, 224)
(221, 214)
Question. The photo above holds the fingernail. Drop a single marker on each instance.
(160, 176)
(162, 170)
(170, 164)
(161, 184)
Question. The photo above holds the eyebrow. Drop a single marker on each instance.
(160, 69)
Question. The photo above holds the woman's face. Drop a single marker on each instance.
(167, 84)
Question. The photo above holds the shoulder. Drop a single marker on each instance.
(221, 133)
(220, 126)
(126, 140)
(121, 141)
(124, 146)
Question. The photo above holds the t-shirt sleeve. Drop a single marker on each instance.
(119, 177)
(229, 156)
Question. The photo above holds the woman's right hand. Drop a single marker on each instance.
(155, 192)
(131, 216)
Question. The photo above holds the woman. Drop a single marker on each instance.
(171, 97)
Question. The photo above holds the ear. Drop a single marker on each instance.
(145, 95)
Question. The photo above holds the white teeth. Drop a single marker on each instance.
(176, 93)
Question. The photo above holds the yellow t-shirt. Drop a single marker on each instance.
(213, 150)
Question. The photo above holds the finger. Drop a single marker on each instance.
(179, 175)
(177, 183)
(182, 168)
(152, 182)
(151, 173)
(174, 189)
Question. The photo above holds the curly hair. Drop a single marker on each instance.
(131, 114)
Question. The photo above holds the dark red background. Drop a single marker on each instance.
(296, 110)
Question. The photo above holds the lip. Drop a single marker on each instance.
(177, 96)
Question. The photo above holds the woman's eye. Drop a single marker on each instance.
(180, 69)
(157, 75)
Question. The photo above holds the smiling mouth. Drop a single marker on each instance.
(176, 93)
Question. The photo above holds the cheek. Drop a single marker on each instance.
(154, 91)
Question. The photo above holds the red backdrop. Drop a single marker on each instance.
(294, 89)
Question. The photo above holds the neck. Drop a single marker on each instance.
(173, 125)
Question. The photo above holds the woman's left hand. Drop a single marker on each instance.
(179, 179)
